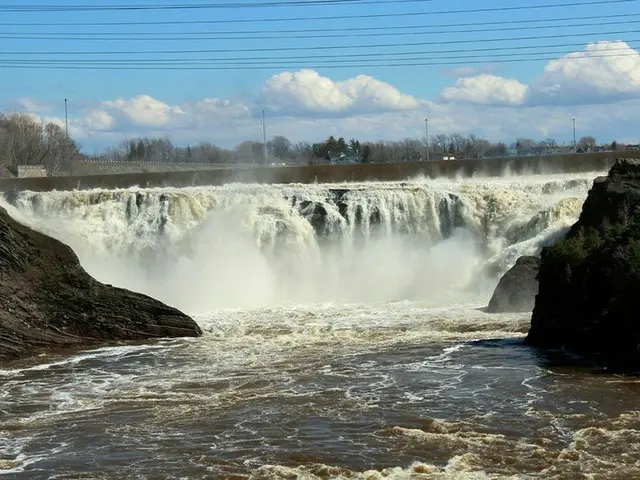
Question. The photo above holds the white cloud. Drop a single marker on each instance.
(603, 71)
(470, 71)
(98, 120)
(32, 105)
(486, 90)
(144, 110)
(307, 90)
(218, 107)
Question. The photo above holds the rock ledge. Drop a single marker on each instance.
(517, 289)
(48, 300)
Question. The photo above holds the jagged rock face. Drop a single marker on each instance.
(517, 289)
(589, 281)
(613, 199)
(48, 300)
(316, 213)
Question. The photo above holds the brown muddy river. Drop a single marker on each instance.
(392, 391)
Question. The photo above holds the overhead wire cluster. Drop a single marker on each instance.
(407, 45)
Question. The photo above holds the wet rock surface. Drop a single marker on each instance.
(517, 289)
(48, 300)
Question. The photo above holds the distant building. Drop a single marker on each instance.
(343, 159)
(25, 171)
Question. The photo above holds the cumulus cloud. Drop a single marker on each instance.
(98, 120)
(145, 110)
(486, 90)
(603, 71)
(32, 105)
(218, 107)
(470, 71)
(307, 90)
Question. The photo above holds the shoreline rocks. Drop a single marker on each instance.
(47, 300)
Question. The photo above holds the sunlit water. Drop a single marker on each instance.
(358, 353)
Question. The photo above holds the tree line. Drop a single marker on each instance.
(280, 149)
(26, 141)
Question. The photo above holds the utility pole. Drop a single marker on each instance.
(66, 118)
(575, 145)
(264, 139)
(426, 127)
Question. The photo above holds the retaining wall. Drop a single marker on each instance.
(600, 161)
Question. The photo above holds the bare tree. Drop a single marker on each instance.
(302, 152)
(524, 146)
(440, 142)
(457, 144)
(27, 141)
(250, 152)
(411, 149)
(587, 144)
(279, 147)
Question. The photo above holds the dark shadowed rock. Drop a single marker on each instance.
(589, 282)
(48, 300)
(613, 199)
(316, 214)
(517, 289)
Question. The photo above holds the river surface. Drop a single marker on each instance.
(312, 366)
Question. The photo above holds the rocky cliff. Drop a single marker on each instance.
(589, 282)
(48, 300)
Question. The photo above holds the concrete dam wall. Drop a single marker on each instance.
(326, 173)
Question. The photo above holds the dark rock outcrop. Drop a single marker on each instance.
(48, 300)
(589, 282)
(317, 212)
(517, 289)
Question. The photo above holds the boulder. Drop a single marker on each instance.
(589, 281)
(48, 300)
(517, 289)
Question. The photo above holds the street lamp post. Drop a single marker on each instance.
(66, 118)
(426, 127)
(575, 145)
(264, 140)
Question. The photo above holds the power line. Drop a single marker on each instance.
(260, 67)
(321, 47)
(196, 6)
(341, 29)
(277, 62)
(330, 17)
(351, 56)
(12, 36)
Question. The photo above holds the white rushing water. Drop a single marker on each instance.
(246, 246)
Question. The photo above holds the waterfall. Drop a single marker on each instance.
(245, 245)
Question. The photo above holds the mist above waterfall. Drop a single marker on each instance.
(244, 246)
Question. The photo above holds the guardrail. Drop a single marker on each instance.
(129, 162)
(191, 164)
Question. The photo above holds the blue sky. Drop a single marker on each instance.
(494, 97)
